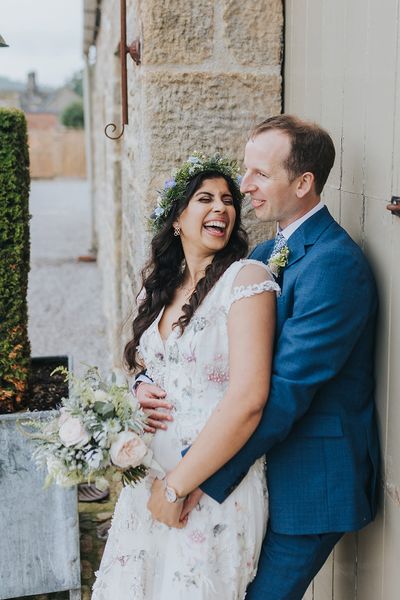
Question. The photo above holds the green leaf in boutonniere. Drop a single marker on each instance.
(279, 261)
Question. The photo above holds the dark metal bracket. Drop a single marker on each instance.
(394, 205)
(134, 52)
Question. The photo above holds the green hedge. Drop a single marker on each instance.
(14, 259)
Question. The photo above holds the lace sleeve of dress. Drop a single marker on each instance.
(245, 291)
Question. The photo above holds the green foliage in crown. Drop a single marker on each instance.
(175, 188)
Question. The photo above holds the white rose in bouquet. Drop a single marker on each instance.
(100, 396)
(64, 415)
(72, 432)
(128, 450)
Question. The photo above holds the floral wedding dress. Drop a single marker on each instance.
(215, 556)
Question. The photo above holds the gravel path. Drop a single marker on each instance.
(64, 297)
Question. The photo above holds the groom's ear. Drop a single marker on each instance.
(305, 184)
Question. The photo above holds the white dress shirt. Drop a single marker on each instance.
(290, 229)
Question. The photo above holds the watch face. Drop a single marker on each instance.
(170, 494)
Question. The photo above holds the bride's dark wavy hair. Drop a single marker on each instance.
(164, 273)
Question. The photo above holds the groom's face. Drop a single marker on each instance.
(273, 195)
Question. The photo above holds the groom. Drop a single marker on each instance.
(318, 429)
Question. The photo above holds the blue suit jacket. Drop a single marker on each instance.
(318, 429)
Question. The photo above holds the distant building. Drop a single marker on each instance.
(55, 151)
(10, 98)
(34, 99)
(10, 92)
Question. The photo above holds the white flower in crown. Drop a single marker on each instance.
(278, 261)
(158, 211)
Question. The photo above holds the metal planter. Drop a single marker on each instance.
(39, 541)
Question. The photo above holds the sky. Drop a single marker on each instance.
(44, 36)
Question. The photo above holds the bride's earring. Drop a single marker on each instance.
(177, 231)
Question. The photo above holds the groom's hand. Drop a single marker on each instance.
(151, 397)
(191, 501)
(161, 510)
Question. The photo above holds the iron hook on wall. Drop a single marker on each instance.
(134, 52)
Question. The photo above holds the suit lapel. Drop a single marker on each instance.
(307, 234)
(296, 247)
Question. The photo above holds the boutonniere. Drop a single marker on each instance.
(278, 261)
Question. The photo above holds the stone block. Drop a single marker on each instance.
(253, 31)
(205, 112)
(177, 31)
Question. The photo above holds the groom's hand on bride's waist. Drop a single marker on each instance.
(151, 398)
(191, 501)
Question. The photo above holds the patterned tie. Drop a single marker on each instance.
(279, 243)
(279, 256)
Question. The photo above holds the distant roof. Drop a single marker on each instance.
(91, 23)
(8, 85)
(33, 98)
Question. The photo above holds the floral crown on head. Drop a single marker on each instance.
(175, 188)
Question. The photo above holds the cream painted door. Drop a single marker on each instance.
(342, 69)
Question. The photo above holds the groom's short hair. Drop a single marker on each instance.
(312, 148)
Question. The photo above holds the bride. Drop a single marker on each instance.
(204, 333)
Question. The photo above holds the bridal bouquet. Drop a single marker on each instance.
(99, 431)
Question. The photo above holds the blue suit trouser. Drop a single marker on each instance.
(288, 563)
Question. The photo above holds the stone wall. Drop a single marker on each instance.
(209, 71)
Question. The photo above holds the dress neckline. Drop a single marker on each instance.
(156, 322)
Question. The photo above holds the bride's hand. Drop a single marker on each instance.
(162, 510)
(191, 501)
(151, 397)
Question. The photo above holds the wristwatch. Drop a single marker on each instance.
(170, 494)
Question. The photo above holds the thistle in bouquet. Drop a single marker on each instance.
(98, 432)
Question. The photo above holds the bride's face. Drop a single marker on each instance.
(206, 223)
